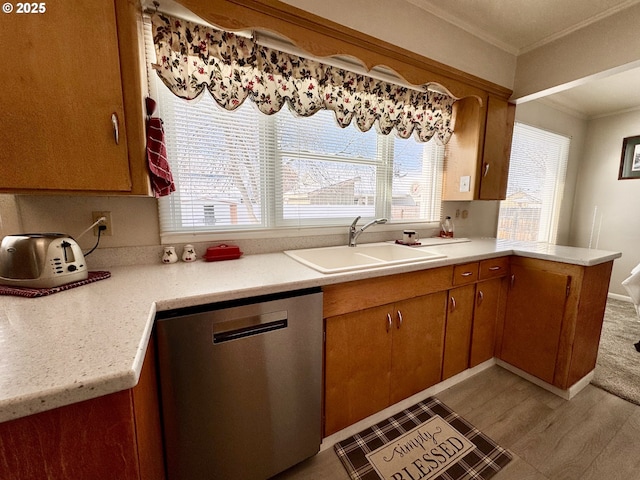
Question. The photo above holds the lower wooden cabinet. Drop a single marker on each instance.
(535, 309)
(381, 355)
(357, 366)
(117, 436)
(388, 338)
(458, 331)
(417, 345)
(489, 305)
(554, 319)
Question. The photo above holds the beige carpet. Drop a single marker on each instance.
(618, 366)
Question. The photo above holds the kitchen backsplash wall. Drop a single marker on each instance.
(9, 216)
(134, 220)
(136, 237)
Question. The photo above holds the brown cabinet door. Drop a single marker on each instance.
(116, 436)
(458, 330)
(494, 170)
(418, 341)
(357, 365)
(535, 309)
(60, 96)
(461, 153)
(483, 333)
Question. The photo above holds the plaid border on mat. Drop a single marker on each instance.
(481, 463)
(41, 292)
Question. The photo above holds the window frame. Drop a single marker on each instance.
(273, 224)
(550, 213)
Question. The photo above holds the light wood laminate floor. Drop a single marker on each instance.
(594, 436)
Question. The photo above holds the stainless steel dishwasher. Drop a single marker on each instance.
(241, 386)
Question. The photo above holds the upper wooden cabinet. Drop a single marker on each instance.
(72, 109)
(477, 156)
(498, 133)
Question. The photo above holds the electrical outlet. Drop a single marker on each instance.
(465, 183)
(106, 222)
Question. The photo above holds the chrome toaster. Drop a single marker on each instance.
(41, 260)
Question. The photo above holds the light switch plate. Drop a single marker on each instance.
(465, 183)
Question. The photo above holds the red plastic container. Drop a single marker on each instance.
(222, 252)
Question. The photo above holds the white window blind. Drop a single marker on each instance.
(537, 172)
(245, 171)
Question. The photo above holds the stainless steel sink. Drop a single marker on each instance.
(344, 258)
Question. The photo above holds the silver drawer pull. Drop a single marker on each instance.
(389, 322)
(399, 319)
(480, 297)
(493, 269)
(116, 129)
(467, 274)
(453, 304)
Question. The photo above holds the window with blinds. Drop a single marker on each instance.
(244, 170)
(536, 182)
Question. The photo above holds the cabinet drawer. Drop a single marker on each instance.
(465, 273)
(494, 267)
(360, 294)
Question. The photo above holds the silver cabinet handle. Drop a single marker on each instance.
(116, 130)
(467, 274)
(453, 304)
(480, 297)
(399, 319)
(389, 322)
(493, 269)
(486, 169)
(513, 280)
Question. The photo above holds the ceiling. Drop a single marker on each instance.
(518, 26)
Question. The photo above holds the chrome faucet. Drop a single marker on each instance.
(354, 234)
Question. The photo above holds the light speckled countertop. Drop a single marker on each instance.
(90, 341)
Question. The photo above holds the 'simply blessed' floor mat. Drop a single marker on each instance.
(428, 442)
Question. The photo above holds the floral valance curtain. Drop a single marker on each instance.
(193, 57)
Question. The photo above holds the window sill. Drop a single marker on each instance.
(303, 237)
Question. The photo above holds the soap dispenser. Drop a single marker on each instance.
(446, 228)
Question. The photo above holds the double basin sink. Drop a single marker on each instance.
(345, 258)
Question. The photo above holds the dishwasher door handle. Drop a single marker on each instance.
(249, 326)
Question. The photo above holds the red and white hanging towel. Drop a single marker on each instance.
(161, 177)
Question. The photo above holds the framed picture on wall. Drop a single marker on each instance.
(630, 161)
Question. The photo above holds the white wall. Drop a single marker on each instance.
(416, 30)
(600, 47)
(601, 196)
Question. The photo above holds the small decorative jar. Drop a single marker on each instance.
(188, 253)
(169, 255)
